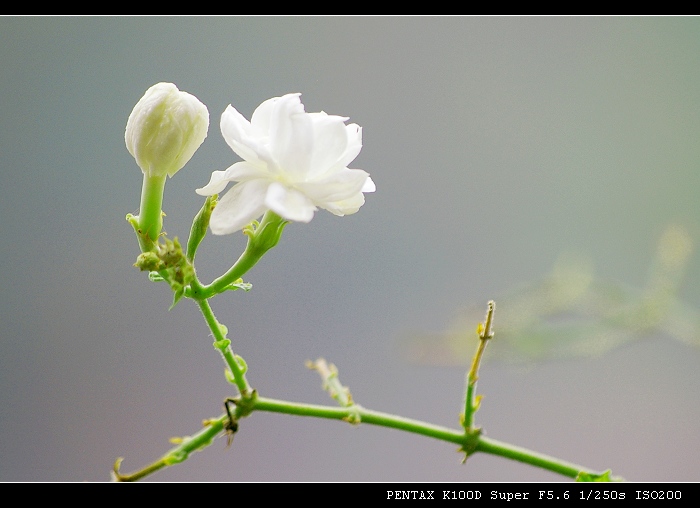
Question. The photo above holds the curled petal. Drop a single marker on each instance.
(244, 170)
(289, 203)
(217, 183)
(250, 144)
(238, 172)
(369, 185)
(239, 207)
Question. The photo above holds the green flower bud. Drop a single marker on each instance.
(148, 261)
(165, 129)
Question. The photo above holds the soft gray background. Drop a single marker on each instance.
(495, 143)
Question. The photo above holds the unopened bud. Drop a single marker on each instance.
(165, 129)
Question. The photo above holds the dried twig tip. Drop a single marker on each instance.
(486, 331)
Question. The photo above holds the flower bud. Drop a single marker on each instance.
(165, 129)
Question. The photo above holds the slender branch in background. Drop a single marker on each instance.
(471, 400)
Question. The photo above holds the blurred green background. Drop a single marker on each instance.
(496, 145)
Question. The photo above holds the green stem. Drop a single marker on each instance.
(261, 238)
(357, 414)
(509, 451)
(224, 347)
(245, 262)
(151, 213)
(179, 453)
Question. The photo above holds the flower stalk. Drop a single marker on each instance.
(262, 237)
(150, 217)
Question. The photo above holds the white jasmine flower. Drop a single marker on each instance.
(293, 163)
(165, 128)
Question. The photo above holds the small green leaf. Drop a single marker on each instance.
(221, 344)
(175, 457)
(178, 294)
(241, 363)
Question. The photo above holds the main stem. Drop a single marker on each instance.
(358, 414)
(509, 451)
(355, 414)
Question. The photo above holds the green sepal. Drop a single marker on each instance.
(605, 476)
(263, 236)
(199, 226)
(177, 296)
(145, 243)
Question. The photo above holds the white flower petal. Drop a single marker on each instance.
(330, 143)
(338, 186)
(293, 163)
(238, 172)
(243, 138)
(369, 186)
(262, 115)
(291, 137)
(354, 144)
(347, 206)
(244, 170)
(242, 204)
(217, 183)
(289, 203)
